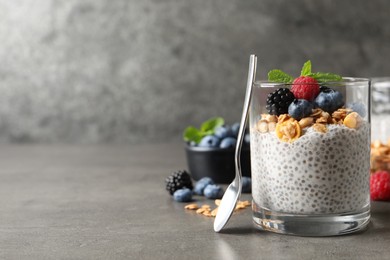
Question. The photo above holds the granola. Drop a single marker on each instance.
(288, 129)
(380, 156)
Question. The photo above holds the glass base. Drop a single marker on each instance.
(311, 225)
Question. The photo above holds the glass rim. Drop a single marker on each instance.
(380, 79)
(380, 82)
(345, 80)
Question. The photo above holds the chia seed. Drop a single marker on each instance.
(342, 153)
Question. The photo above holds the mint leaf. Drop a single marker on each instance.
(279, 76)
(209, 132)
(325, 77)
(210, 125)
(306, 69)
(192, 134)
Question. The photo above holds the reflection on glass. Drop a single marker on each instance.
(380, 123)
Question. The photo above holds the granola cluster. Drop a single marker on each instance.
(288, 129)
(380, 156)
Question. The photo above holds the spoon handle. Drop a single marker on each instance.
(244, 116)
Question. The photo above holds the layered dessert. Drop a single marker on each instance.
(310, 152)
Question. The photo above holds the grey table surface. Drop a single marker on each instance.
(109, 202)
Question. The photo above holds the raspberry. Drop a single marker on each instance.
(380, 185)
(305, 87)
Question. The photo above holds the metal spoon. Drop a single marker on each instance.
(233, 192)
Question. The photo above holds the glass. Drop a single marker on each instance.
(380, 109)
(380, 125)
(308, 178)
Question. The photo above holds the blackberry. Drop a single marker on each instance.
(279, 100)
(178, 180)
(324, 89)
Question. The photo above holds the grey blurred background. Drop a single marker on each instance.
(117, 71)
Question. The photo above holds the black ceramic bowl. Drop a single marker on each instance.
(216, 163)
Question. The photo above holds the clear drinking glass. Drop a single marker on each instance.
(310, 177)
(380, 124)
(380, 109)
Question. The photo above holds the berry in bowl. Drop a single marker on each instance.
(210, 150)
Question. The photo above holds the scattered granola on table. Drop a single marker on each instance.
(206, 210)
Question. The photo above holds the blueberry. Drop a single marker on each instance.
(201, 185)
(359, 108)
(213, 191)
(329, 100)
(228, 142)
(182, 195)
(246, 184)
(300, 108)
(207, 180)
(247, 138)
(209, 141)
(235, 127)
(223, 131)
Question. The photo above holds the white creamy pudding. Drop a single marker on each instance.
(318, 173)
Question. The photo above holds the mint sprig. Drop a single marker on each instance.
(325, 77)
(282, 77)
(211, 124)
(279, 76)
(306, 69)
(193, 134)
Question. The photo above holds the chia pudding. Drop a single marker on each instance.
(319, 173)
